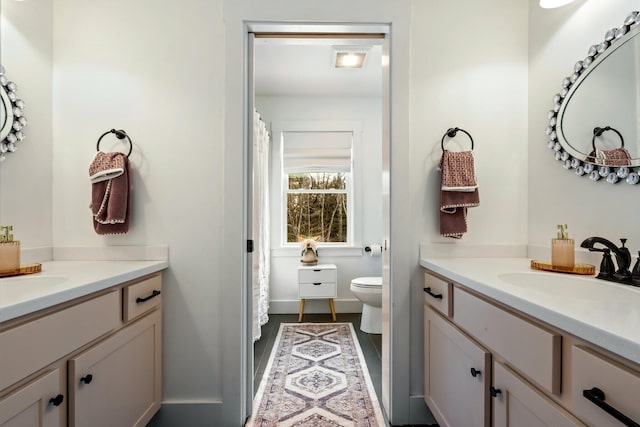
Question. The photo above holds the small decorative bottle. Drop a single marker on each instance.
(9, 250)
(562, 249)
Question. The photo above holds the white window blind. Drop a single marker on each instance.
(316, 152)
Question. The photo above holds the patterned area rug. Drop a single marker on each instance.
(316, 376)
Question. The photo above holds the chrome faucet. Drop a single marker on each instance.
(623, 259)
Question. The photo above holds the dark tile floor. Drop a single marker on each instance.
(371, 345)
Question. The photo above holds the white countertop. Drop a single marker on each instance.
(62, 281)
(604, 313)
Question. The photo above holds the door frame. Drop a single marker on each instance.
(237, 390)
(337, 31)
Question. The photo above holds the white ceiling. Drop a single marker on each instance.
(295, 67)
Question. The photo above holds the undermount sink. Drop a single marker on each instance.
(573, 287)
(24, 287)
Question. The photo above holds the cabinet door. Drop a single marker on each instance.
(457, 375)
(117, 382)
(38, 404)
(517, 404)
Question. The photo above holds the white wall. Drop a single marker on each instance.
(558, 39)
(468, 69)
(154, 70)
(26, 175)
(158, 71)
(368, 112)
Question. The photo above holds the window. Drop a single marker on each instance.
(317, 205)
(317, 186)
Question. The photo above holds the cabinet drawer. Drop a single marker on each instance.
(34, 345)
(322, 290)
(317, 275)
(518, 403)
(529, 348)
(620, 387)
(31, 406)
(438, 294)
(141, 297)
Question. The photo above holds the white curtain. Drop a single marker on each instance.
(261, 255)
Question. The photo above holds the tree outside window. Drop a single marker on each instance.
(317, 206)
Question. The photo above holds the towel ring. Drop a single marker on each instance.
(451, 133)
(120, 134)
(598, 131)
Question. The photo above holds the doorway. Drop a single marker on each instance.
(327, 35)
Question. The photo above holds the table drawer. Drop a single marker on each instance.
(529, 348)
(34, 345)
(438, 294)
(620, 389)
(320, 290)
(141, 297)
(317, 275)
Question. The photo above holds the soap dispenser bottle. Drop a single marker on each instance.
(562, 249)
(9, 250)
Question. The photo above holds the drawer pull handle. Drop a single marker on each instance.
(436, 296)
(56, 401)
(475, 372)
(317, 284)
(87, 379)
(596, 396)
(153, 295)
(494, 391)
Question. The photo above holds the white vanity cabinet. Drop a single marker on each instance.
(114, 383)
(456, 375)
(534, 374)
(93, 361)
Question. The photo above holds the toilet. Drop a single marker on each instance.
(369, 291)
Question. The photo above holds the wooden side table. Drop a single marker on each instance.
(318, 282)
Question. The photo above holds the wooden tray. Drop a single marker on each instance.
(24, 269)
(585, 269)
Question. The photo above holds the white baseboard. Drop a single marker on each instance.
(314, 306)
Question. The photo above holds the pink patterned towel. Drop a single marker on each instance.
(110, 193)
(458, 171)
(615, 157)
(458, 191)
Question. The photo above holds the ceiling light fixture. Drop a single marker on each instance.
(551, 4)
(349, 57)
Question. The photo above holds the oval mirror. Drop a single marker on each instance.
(12, 120)
(594, 126)
(6, 114)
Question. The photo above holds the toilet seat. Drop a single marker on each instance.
(367, 282)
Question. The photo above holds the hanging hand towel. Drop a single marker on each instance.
(615, 157)
(458, 191)
(110, 193)
(458, 171)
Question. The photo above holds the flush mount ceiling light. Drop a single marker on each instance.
(551, 4)
(349, 57)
